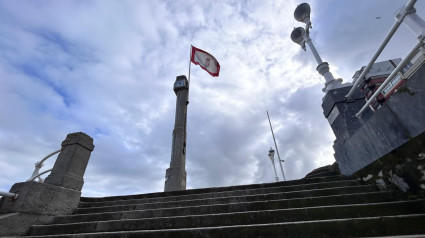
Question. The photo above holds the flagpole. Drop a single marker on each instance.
(188, 81)
(190, 62)
(277, 150)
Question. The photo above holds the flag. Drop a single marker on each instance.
(205, 60)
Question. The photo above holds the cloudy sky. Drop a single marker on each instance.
(107, 68)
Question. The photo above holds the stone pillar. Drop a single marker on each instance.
(340, 112)
(175, 176)
(71, 164)
(61, 192)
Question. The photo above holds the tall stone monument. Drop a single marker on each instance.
(175, 176)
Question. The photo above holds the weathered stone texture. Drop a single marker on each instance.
(41, 198)
(175, 176)
(361, 141)
(403, 169)
(18, 224)
(58, 195)
(71, 164)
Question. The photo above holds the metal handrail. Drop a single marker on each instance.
(11, 195)
(36, 173)
(372, 61)
(390, 77)
(390, 34)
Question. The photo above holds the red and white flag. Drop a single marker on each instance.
(205, 60)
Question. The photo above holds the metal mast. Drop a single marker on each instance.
(277, 150)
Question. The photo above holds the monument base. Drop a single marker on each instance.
(175, 179)
(40, 198)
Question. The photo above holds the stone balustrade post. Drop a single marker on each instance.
(61, 191)
(71, 164)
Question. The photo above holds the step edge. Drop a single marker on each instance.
(248, 212)
(322, 183)
(339, 195)
(215, 198)
(236, 226)
(228, 188)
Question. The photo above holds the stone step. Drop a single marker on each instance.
(402, 236)
(321, 174)
(217, 189)
(342, 199)
(321, 169)
(233, 199)
(234, 193)
(347, 227)
(240, 218)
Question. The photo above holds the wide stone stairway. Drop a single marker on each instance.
(321, 205)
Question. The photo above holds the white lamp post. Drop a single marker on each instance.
(271, 156)
(301, 36)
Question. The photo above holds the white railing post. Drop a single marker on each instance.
(37, 168)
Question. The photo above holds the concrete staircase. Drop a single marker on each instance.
(321, 205)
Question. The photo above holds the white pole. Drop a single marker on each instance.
(372, 61)
(188, 80)
(281, 169)
(277, 150)
(313, 50)
(275, 173)
(190, 62)
(271, 157)
(322, 67)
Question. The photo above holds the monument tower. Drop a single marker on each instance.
(175, 176)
